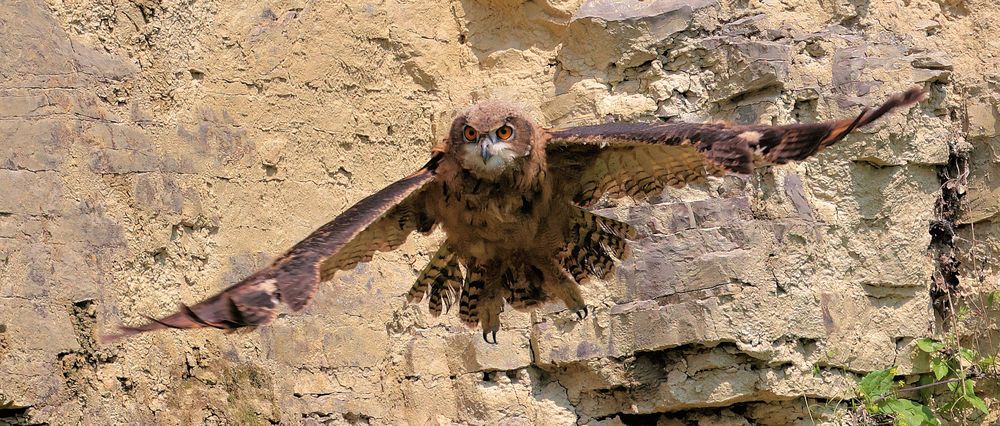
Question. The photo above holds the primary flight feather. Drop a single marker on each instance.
(512, 198)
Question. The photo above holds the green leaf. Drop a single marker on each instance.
(968, 354)
(909, 413)
(977, 403)
(929, 345)
(993, 298)
(939, 367)
(963, 311)
(953, 386)
(877, 383)
(987, 362)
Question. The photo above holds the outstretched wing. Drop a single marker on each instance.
(638, 160)
(380, 222)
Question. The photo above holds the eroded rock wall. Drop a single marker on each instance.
(154, 152)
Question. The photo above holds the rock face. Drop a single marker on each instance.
(155, 152)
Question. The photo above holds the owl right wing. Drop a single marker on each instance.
(638, 160)
(379, 222)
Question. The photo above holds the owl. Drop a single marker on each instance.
(512, 199)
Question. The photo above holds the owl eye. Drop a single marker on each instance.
(505, 132)
(470, 133)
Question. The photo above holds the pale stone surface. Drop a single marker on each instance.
(983, 120)
(156, 152)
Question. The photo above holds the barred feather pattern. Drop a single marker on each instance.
(441, 279)
(468, 306)
(386, 234)
(446, 288)
(594, 244)
(525, 286)
(634, 159)
(642, 171)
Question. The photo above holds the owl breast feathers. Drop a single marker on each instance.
(512, 199)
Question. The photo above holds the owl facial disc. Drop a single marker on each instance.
(488, 156)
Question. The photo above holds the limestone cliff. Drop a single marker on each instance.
(153, 152)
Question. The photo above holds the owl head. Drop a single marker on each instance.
(490, 138)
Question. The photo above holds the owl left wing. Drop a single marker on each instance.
(638, 160)
(379, 222)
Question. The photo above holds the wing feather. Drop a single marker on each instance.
(379, 222)
(636, 159)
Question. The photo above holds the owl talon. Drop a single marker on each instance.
(582, 313)
(486, 337)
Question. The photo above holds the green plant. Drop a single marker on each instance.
(880, 394)
(945, 362)
(956, 367)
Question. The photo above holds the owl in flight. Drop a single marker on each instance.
(512, 199)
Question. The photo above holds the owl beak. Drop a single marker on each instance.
(485, 142)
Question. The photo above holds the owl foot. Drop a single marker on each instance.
(487, 340)
(582, 313)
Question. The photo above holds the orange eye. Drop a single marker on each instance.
(470, 133)
(505, 132)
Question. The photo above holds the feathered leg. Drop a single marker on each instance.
(594, 244)
(491, 303)
(559, 283)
